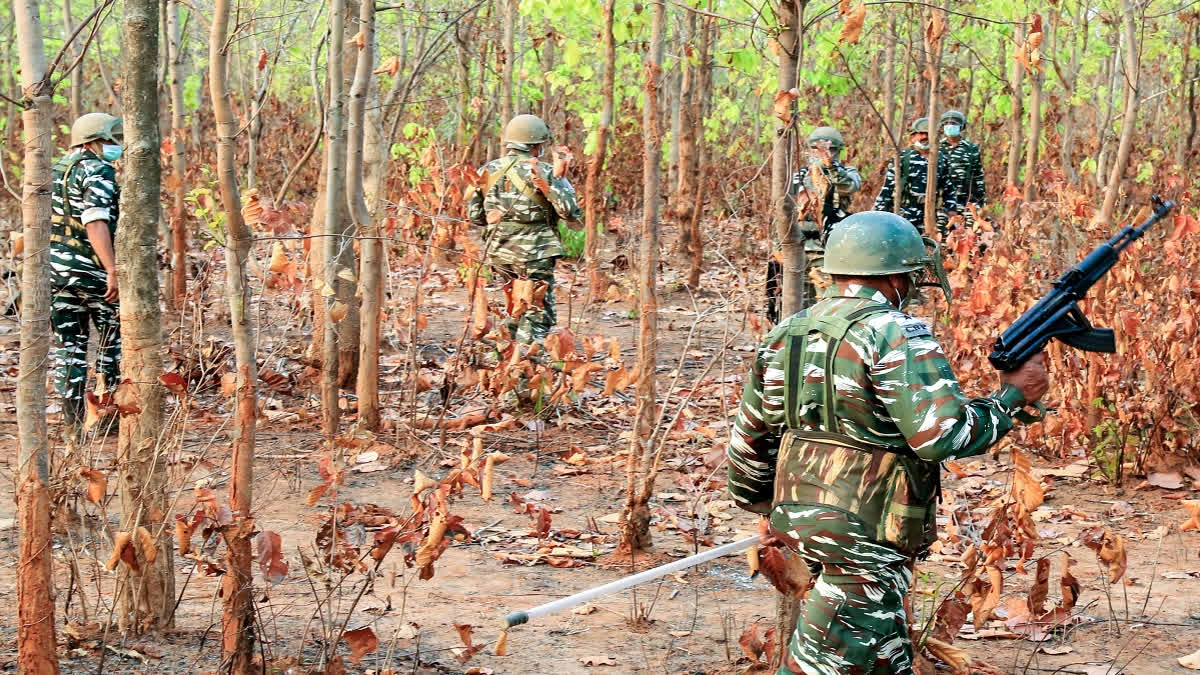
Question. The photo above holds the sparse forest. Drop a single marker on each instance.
(316, 459)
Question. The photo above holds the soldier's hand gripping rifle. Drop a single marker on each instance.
(1057, 315)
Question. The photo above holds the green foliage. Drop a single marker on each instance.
(203, 208)
(573, 240)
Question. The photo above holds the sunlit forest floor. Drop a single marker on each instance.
(569, 460)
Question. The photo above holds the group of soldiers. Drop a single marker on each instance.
(849, 407)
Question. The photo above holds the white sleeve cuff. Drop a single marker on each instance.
(95, 213)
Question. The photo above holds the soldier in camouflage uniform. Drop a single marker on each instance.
(914, 175)
(849, 408)
(520, 205)
(832, 191)
(964, 169)
(82, 262)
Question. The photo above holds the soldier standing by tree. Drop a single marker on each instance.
(520, 205)
(83, 266)
(914, 169)
(964, 170)
(822, 189)
(849, 409)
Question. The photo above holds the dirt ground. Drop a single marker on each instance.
(686, 623)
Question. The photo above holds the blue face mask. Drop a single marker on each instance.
(111, 152)
(952, 130)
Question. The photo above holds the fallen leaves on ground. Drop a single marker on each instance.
(361, 641)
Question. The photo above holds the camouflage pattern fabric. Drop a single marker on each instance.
(78, 280)
(519, 226)
(844, 181)
(912, 197)
(896, 411)
(535, 324)
(964, 173)
(853, 621)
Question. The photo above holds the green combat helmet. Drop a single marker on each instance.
(525, 131)
(955, 116)
(837, 143)
(919, 126)
(96, 127)
(878, 243)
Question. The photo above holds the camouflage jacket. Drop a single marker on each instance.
(912, 196)
(896, 401)
(844, 181)
(93, 194)
(520, 216)
(964, 164)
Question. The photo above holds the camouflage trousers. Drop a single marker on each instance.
(71, 309)
(535, 324)
(853, 621)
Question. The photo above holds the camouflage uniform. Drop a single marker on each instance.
(77, 278)
(522, 231)
(915, 168)
(964, 177)
(847, 469)
(844, 181)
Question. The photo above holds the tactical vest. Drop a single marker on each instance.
(509, 170)
(66, 231)
(892, 490)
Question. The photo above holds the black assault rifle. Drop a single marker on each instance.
(1058, 316)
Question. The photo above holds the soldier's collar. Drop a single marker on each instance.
(855, 291)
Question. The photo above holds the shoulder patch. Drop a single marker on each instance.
(912, 328)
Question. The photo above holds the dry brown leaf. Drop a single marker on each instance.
(429, 550)
(1068, 584)
(956, 658)
(853, 26)
(270, 557)
(783, 104)
(251, 208)
(183, 536)
(1109, 548)
(127, 399)
(1167, 480)
(279, 259)
(359, 40)
(338, 311)
(752, 560)
(389, 67)
(1041, 588)
(1191, 661)
(1026, 489)
(123, 552)
(361, 641)
(97, 484)
(149, 546)
(1193, 508)
(501, 648)
(787, 572)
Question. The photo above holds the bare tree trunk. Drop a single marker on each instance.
(684, 140)
(371, 276)
(887, 133)
(506, 70)
(237, 619)
(933, 48)
(1035, 129)
(335, 158)
(36, 650)
(75, 96)
(1187, 107)
(1067, 149)
(1104, 217)
(635, 535)
(549, 54)
(597, 281)
(11, 128)
(148, 600)
(698, 106)
(178, 186)
(792, 300)
(1016, 130)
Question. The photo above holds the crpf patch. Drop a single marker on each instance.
(913, 328)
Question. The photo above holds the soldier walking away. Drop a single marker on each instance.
(520, 205)
(964, 171)
(83, 267)
(849, 409)
(914, 174)
(822, 189)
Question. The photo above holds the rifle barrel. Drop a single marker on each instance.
(518, 618)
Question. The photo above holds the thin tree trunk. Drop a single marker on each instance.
(237, 619)
(506, 71)
(36, 650)
(635, 535)
(462, 65)
(177, 186)
(148, 600)
(887, 133)
(1036, 79)
(792, 298)
(1112, 74)
(684, 140)
(75, 95)
(371, 276)
(597, 279)
(699, 105)
(548, 58)
(1016, 130)
(1067, 151)
(1187, 106)
(1104, 217)
(335, 158)
(933, 48)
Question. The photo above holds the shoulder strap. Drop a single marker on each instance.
(526, 189)
(66, 180)
(494, 178)
(835, 329)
